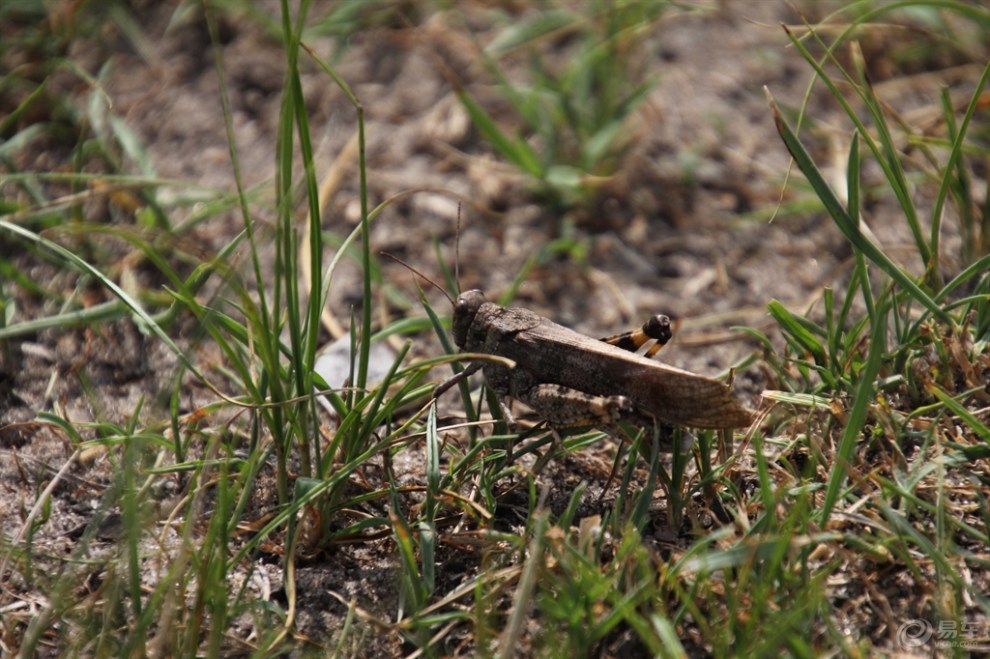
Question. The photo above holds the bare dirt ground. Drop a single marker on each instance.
(681, 228)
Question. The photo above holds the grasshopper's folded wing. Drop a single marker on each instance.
(553, 353)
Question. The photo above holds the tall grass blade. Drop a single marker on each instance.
(858, 412)
(848, 225)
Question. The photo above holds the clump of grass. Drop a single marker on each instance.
(888, 387)
(268, 341)
(570, 117)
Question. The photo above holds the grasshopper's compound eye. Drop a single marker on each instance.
(465, 309)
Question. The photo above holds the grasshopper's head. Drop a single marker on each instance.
(465, 309)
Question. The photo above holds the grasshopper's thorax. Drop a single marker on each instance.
(465, 309)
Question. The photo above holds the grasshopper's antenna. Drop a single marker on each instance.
(457, 251)
(417, 272)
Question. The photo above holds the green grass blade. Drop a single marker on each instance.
(142, 317)
(848, 225)
(865, 391)
(952, 166)
(515, 150)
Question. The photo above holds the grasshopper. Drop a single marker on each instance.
(572, 380)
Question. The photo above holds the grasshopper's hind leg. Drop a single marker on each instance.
(655, 333)
(563, 407)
